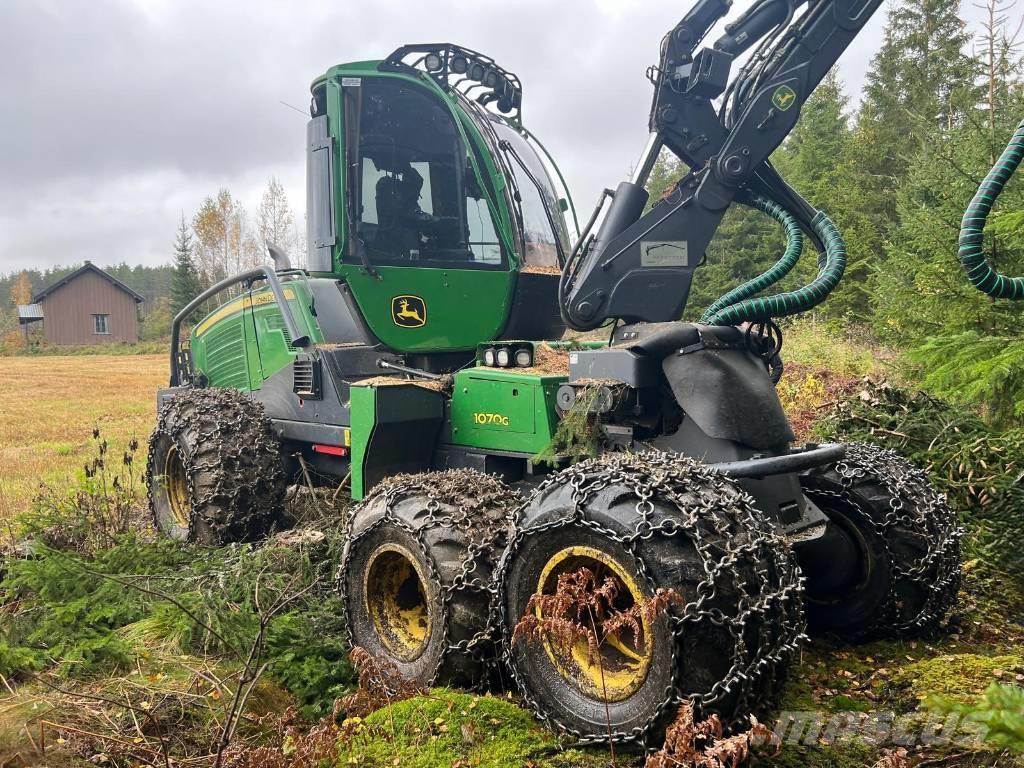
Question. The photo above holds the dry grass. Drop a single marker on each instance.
(50, 405)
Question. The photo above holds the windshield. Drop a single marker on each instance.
(418, 199)
(539, 204)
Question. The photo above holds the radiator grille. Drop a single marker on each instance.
(225, 346)
(275, 322)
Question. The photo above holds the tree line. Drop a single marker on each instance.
(221, 239)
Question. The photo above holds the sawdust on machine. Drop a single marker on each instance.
(443, 384)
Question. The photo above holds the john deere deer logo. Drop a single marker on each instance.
(783, 98)
(409, 311)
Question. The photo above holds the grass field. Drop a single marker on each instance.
(50, 405)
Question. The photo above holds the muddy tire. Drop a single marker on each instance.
(653, 521)
(890, 563)
(215, 473)
(416, 573)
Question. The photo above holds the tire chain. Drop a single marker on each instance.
(915, 505)
(669, 478)
(218, 445)
(484, 521)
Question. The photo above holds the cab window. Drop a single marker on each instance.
(544, 230)
(419, 200)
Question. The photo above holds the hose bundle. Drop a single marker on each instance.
(981, 274)
(831, 265)
(781, 268)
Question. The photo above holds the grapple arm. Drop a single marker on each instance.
(638, 266)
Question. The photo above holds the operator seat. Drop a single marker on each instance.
(397, 215)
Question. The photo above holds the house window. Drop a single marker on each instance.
(101, 324)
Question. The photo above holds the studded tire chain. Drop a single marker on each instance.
(235, 472)
(915, 525)
(455, 523)
(742, 582)
(674, 498)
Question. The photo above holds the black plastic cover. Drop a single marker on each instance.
(716, 380)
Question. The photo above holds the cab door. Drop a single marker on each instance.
(439, 278)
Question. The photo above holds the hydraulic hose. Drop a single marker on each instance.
(781, 268)
(832, 265)
(972, 227)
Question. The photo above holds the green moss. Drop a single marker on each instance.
(832, 678)
(849, 704)
(959, 677)
(449, 726)
(851, 754)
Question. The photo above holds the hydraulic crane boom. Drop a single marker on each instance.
(638, 267)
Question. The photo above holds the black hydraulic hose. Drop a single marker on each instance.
(781, 268)
(972, 227)
(573, 264)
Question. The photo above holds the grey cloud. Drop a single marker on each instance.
(118, 115)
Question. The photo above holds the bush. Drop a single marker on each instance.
(979, 468)
(91, 515)
(1000, 714)
(979, 370)
(92, 592)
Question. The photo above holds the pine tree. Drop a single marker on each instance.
(921, 290)
(185, 283)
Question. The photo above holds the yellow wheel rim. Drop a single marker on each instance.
(177, 487)
(621, 665)
(396, 599)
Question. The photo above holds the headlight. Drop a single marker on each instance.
(489, 357)
(460, 65)
(433, 62)
(504, 357)
(524, 359)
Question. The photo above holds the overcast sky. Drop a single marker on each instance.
(117, 115)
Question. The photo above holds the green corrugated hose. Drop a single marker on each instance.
(831, 265)
(781, 268)
(972, 226)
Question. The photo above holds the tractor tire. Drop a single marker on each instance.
(416, 571)
(215, 474)
(890, 563)
(654, 521)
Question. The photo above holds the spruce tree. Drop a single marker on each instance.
(920, 85)
(817, 161)
(185, 283)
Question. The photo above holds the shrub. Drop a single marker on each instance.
(1000, 714)
(979, 468)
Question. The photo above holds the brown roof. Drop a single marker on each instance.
(85, 268)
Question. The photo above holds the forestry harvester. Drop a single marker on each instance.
(423, 354)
